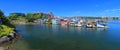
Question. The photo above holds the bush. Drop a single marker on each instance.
(5, 30)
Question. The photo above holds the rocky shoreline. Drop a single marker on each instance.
(5, 41)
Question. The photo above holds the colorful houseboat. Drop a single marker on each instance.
(76, 22)
(64, 22)
(79, 23)
(72, 22)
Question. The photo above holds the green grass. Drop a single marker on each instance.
(5, 30)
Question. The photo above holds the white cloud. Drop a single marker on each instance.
(112, 12)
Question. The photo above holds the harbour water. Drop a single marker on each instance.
(56, 37)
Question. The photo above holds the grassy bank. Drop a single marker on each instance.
(5, 30)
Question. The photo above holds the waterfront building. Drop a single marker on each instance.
(55, 21)
(41, 21)
(47, 15)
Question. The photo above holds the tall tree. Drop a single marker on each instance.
(15, 16)
(5, 21)
(1, 14)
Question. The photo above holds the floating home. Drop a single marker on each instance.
(64, 22)
(76, 22)
(79, 23)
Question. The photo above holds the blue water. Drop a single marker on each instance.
(56, 37)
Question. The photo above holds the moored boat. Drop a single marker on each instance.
(95, 24)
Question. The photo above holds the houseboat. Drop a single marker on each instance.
(41, 21)
(72, 22)
(64, 22)
(79, 23)
(76, 22)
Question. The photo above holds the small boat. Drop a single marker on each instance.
(93, 24)
(79, 25)
(101, 25)
(90, 24)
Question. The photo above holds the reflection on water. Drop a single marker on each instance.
(56, 37)
(20, 45)
(97, 30)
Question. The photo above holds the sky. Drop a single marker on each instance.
(63, 7)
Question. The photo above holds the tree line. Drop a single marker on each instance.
(29, 17)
